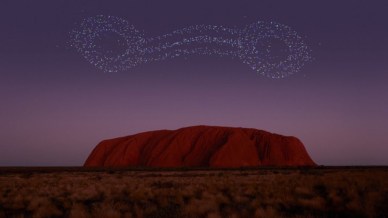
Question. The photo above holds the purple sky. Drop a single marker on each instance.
(55, 106)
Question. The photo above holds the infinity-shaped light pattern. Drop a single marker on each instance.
(112, 44)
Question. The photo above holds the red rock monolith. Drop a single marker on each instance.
(201, 146)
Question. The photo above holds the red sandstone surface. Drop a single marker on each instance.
(201, 146)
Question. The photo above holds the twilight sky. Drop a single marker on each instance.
(55, 106)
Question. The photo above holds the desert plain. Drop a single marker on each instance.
(194, 192)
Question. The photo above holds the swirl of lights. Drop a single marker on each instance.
(253, 45)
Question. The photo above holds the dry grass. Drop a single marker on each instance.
(239, 193)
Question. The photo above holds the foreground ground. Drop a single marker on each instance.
(270, 192)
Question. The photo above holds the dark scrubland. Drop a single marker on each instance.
(194, 192)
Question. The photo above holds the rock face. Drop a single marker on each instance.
(201, 146)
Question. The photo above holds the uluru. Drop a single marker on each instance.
(201, 146)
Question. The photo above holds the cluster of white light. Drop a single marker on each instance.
(252, 45)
